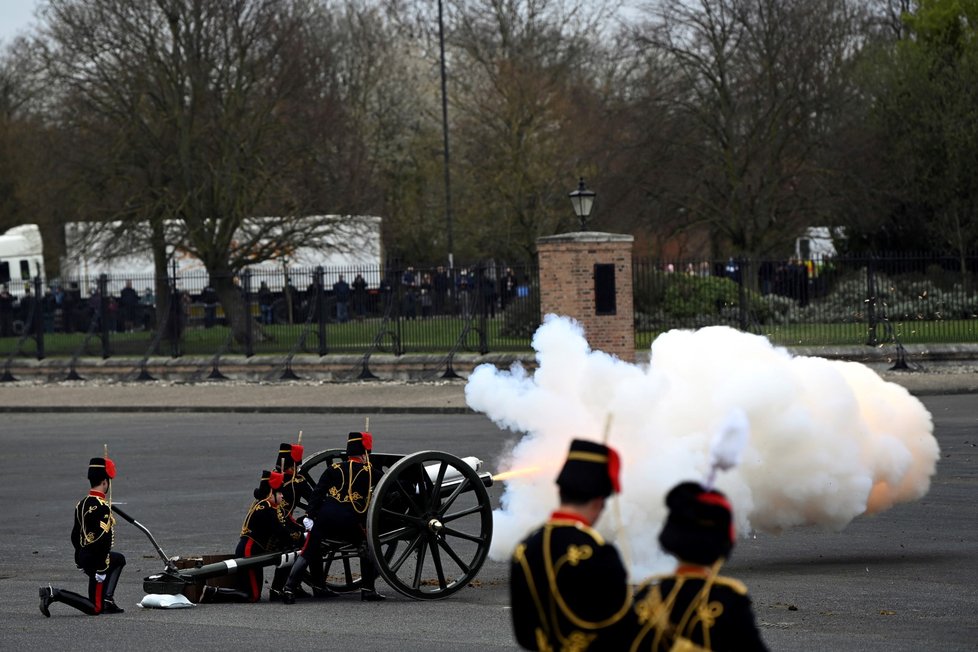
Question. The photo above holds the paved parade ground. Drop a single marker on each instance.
(902, 580)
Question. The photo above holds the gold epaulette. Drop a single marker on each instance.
(736, 585)
(590, 531)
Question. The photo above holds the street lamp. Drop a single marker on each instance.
(582, 199)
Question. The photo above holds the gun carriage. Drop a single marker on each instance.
(429, 526)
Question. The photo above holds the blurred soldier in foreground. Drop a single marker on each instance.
(93, 535)
(695, 608)
(338, 511)
(568, 588)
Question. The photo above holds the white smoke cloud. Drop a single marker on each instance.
(828, 440)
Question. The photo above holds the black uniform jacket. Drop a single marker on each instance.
(270, 529)
(343, 496)
(569, 589)
(93, 533)
(688, 607)
(295, 487)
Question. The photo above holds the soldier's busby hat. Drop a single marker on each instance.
(591, 471)
(699, 528)
(100, 468)
(284, 461)
(269, 480)
(358, 443)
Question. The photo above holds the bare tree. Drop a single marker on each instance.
(751, 89)
(521, 94)
(186, 111)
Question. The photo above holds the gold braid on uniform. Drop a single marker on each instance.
(245, 527)
(88, 538)
(653, 611)
(575, 640)
(348, 480)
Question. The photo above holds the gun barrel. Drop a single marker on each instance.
(229, 566)
(173, 581)
(452, 473)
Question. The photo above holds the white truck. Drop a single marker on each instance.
(21, 257)
(354, 243)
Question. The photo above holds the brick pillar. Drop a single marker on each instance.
(588, 276)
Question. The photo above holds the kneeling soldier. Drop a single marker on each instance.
(265, 529)
(338, 511)
(92, 536)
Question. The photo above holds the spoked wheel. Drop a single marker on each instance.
(429, 525)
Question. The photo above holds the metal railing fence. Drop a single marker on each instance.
(867, 299)
(478, 308)
(872, 300)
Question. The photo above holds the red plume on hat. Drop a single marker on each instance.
(614, 470)
(100, 468)
(276, 479)
(699, 527)
(297, 450)
(358, 443)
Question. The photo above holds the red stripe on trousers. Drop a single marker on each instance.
(252, 575)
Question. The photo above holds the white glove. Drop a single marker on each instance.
(307, 523)
(99, 577)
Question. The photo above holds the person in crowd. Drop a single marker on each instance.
(209, 298)
(440, 284)
(26, 308)
(695, 608)
(424, 296)
(409, 289)
(507, 287)
(129, 306)
(266, 529)
(265, 301)
(360, 296)
(7, 303)
(338, 509)
(341, 292)
(568, 587)
(93, 536)
(95, 308)
(147, 306)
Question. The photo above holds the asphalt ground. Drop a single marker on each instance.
(902, 580)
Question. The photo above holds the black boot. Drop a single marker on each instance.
(222, 594)
(47, 597)
(295, 578)
(368, 577)
(70, 598)
(108, 601)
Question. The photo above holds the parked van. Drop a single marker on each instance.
(21, 257)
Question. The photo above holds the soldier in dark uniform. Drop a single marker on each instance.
(568, 588)
(338, 509)
(295, 485)
(695, 608)
(92, 536)
(266, 529)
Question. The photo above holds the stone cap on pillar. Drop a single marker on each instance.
(586, 236)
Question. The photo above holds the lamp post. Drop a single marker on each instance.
(582, 199)
(444, 128)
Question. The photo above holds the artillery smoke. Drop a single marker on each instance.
(828, 440)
